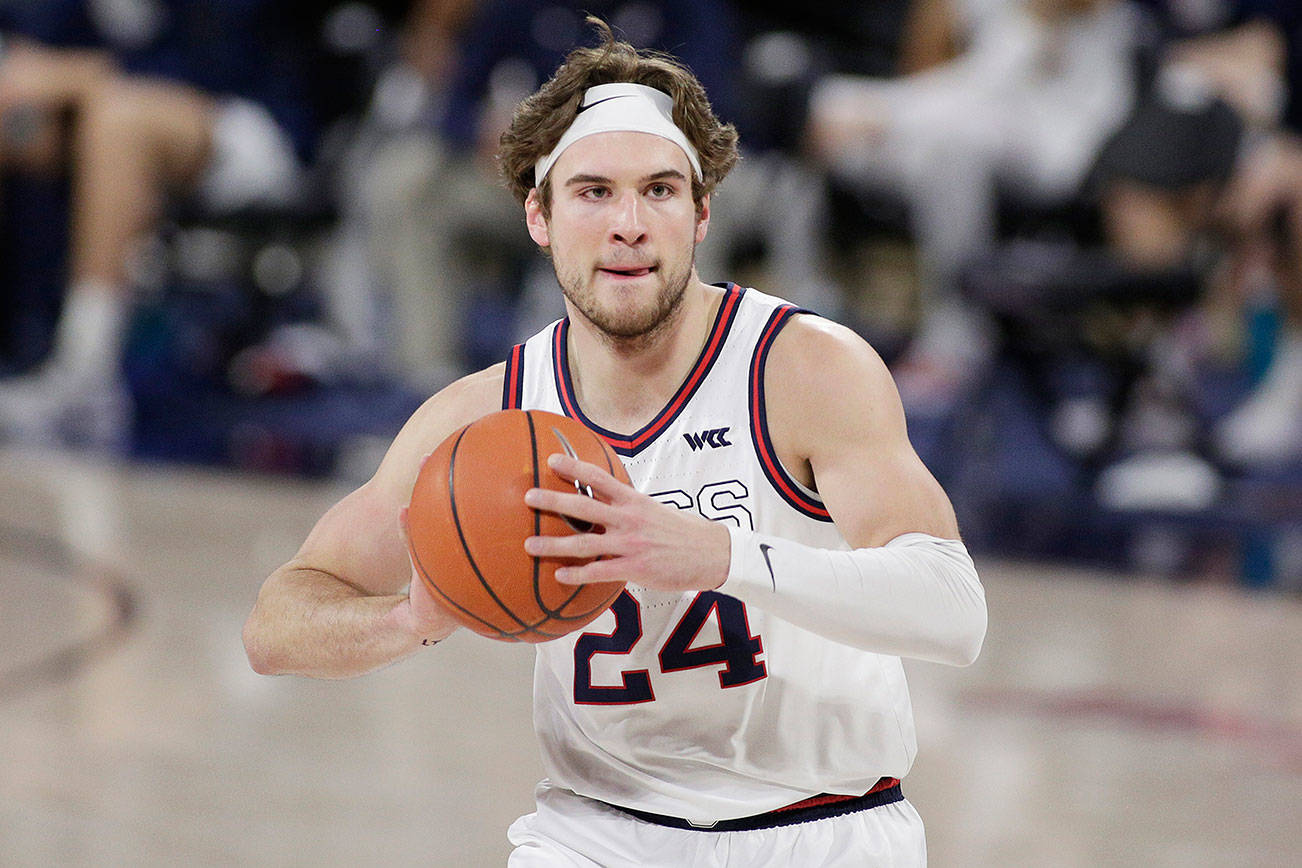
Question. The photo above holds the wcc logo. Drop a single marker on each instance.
(712, 437)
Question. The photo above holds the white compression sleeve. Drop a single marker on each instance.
(917, 596)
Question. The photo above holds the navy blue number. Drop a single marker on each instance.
(628, 629)
(736, 651)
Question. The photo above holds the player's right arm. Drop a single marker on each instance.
(341, 606)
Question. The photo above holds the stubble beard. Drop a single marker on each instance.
(628, 328)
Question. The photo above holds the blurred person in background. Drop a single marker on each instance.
(783, 50)
(1264, 208)
(1008, 97)
(384, 259)
(145, 99)
(1209, 169)
(448, 229)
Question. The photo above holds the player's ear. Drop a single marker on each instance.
(534, 219)
(703, 218)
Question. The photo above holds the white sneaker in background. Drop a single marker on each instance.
(53, 408)
(1266, 429)
(1163, 481)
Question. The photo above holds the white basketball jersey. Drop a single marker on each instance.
(695, 705)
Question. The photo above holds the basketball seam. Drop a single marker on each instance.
(552, 613)
(505, 634)
(433, 586)
(600, 607)
(465, 546)
(549, 614)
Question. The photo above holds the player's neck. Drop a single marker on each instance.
(621, 385)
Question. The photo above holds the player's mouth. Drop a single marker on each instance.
(626, 272)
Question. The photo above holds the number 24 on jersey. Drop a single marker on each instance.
(736, 651)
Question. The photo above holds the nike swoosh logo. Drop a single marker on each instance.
(584, 108)
(764, 550)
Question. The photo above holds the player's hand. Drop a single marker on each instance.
(641, 540)
(428, 620)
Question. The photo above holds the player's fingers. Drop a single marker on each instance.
(404, 531)
(586, 473)
(404, 526)
(574, 505)
(578, 545)
(606, 570)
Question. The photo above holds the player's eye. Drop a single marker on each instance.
(594, 193)
(660, 191)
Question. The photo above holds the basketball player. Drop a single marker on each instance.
(743, 701)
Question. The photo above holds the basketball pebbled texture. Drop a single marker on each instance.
(467, 524)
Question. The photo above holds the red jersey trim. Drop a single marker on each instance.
(513, 381)
(631, 444)
(786, 487)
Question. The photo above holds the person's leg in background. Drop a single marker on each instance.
(134, 140)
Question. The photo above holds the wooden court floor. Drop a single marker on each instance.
(1111, 720)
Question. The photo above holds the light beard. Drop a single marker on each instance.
(628, 329)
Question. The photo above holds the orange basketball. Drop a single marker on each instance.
(468, 523)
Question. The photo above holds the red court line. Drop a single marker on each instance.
(1281, 741)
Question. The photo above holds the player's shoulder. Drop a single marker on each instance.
(812, 349)
(456, 405)
(824, 384)
(473, 395)
(459, 403)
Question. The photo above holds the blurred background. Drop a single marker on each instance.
(242, 240)
(257, 235)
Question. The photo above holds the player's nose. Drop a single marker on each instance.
(629, 224)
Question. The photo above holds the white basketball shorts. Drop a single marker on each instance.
(570, 830)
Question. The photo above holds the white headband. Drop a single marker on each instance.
(621, 107)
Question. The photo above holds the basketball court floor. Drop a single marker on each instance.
(1111, 720)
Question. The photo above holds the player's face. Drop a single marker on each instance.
(623, 230)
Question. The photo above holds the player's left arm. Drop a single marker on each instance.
(835, 419)
(908, 586)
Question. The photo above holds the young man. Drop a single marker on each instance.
(744, 700)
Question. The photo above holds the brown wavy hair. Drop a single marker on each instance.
(541, 119)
